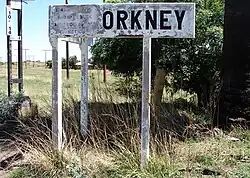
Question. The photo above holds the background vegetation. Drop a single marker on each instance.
(72, 63)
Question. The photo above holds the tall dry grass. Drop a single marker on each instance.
(112, 147)
(113, 139)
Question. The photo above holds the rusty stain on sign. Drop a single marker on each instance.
(157, 20)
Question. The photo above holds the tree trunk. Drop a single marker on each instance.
(234, 99)
(203, 96)
(159, 84)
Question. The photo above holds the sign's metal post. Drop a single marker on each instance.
(84, 86)
(20, 49)
(104, 73)
(146, 88)
(67, 59)
(9, 45)
(67, 53)
(56, 95)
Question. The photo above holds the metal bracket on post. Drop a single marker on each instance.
(146, 89)
(84, 86)
(56, 95)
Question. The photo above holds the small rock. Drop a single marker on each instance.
(232, 138)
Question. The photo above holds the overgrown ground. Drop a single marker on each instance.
(113, 147)
(207, 157)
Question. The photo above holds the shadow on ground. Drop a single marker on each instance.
(108, 121)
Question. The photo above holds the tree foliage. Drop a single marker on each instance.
(192, 62)
(72, 63)
(9, 106)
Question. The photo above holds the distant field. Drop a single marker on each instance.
(38, 81)
(38, 85)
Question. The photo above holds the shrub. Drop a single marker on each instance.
(9, 106)
(49, 64)
(130, 87)
(72, 63)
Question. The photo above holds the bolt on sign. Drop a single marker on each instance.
(175, 20)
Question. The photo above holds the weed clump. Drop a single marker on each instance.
(9, 106)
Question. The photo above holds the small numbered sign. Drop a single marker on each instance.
(8, 21)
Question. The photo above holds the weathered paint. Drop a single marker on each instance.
(56, 95)
(84, 86)
(146, 88)
(87, 20)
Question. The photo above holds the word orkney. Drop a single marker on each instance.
(137, 21)
(121, 20)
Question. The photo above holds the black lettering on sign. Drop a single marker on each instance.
(152, 20)
(135, 20)
(179, 18)
(121, 17)
(111, 20)
(164, 19)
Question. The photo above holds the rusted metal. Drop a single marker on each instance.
(175, 20)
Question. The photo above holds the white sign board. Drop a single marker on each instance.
(16, 4)
(157, 20)
(8, 21)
